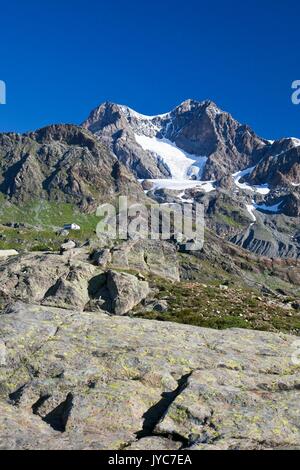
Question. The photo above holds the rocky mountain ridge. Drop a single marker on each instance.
(197, 152)
(62, 163)
(249, 186)
(197, 128)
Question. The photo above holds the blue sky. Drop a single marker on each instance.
(61, 58)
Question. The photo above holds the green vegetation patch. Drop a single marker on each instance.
(221, 306)
(39, 223)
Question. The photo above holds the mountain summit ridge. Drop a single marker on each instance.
(198, 128)
(250, 186)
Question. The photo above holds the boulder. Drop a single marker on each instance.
(63, 233)
(68, 246)
(7, 253)
(72, 289)
(126, 291)
(30, 276)
(147, 185)
(101, 257)
(46, 278)
(157, 306)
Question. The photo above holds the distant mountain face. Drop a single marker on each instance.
(199, 130)
(250, 186)
(280, 165)
(62, 163)
(215, 144)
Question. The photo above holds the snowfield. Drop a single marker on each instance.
(182, 184)
(182, 165)
(261, 189)
(139, 116)
(295, 141)
(186, 171)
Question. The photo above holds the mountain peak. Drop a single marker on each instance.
(193, 127)
(191, 104)
(109, 108)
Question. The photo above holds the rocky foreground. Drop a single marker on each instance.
(79, 370)
(88, 380)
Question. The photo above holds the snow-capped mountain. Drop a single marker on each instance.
(199, 152)
(249, 186)
(193, 141)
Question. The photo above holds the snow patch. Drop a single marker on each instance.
(139, 116)
(251, 208)
(261, 189)
(263, 207)
(182, 184)
(295, 141)
(182, 165)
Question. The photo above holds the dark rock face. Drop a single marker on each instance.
(150, 256)
(110, 123)
(198, 128)
(203, 129)
(264, 241)
(291, 204)
(62, 163)
(278, 169)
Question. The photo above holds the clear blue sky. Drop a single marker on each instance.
(61, 58)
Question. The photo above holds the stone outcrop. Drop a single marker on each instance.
(67, 246)
(101, 257)
(68, 282)
(72, 289)
(125, 291)
(152, 256)
(91, 381)
(8, 253)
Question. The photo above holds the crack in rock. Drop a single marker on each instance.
(157, 412)
(15, 397)
(58, 417)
